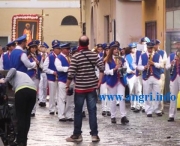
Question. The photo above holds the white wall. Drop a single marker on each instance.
(128, 22)
(40, 4)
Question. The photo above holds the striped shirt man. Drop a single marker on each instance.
(82, 69)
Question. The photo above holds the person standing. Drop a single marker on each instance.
(131, 72)
(5, 58)
(82, 69)
(19, 59)
(103, 87)
(150, 64)
(34, 73)
(65, 102)
(43, 76)
(164, 57)
(52, 76)
(173, 63)
(115, 82)
(25, 98)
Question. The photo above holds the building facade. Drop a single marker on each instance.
(108, 20)
(61, 18)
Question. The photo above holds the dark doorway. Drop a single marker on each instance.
(151, 30)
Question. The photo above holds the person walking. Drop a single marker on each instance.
(82, 69)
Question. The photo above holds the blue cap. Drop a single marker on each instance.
(13, 43)
(114, 44)
(157, 42)
(99, 45)
(104, 46)
(22, 38)
(45, 45)
(145, 39)
(65, 46)
(133, 45)
(4, 49)
(150, 44)
(34, 43)
(74, 49)
(55, 44)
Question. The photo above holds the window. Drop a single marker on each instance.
(106, 29)
(69, 20)
(172, 3)
(3, 41)
(151, 31)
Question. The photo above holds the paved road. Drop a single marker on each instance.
(46, 130)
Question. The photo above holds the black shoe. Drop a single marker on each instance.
(51, 113)
(149, 115)
(62, 120)
(17, 144)
(159, 114)
(95, 138)
(136, 110)
(132, 108)
(113, 120)
(143, 110)
(124, 120)
(83, 114)
(41, 104)
(171, 120)
(108, 113)
(70, 120)
(117, 104)
(33, 115)
(56, 113)
(103, 113)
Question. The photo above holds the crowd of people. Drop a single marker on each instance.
(75, 75)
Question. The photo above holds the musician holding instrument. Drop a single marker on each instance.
(150, 64)
(164, 57)
(116, 81)
(103, 87)
(65, 102)
(173, 63)
(131, 74)
(34, 73)
(52, 76)
(43, 76)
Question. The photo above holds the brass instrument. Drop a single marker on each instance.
(122, 70)
(149, 59)
(177, 55)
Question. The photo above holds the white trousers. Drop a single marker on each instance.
(43, 88)
(53, 88)
(118, 89)
(174, 89)
(161, 107)
(65, 103)
(131, 84)
(36, 81)
(138, 91)
(152, 85)
(106, 102)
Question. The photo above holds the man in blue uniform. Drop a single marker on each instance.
(19, 59)
(5, 58)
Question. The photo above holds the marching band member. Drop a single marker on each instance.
(164, 57)
(52, 76)
(150, 63)
(34, 73)
(131, 71)
(65, 102)
(173, 62)
(19, 59)
(103, 87)
(115, 83)
(5, 58)
(100, 50)
(43, 77)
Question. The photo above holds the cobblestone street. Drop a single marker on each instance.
(46, 130)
